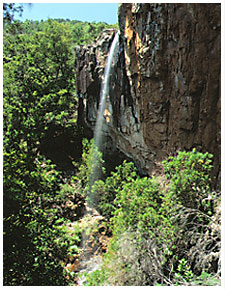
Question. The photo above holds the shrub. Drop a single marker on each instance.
(163, 229)
(90, 169)
(189, 177)
(38, 242)
(106, 190)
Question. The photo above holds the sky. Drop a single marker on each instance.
(98, 12)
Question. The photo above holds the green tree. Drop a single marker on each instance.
(40, 106)
(39, 92)
(9, 9)
(39, 95)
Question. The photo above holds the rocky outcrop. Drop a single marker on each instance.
(165, 85)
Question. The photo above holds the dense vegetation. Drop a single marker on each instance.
(165, 229)
(40, 108)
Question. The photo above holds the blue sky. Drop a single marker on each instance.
(98, 12)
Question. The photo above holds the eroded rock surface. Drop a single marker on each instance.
(165, 83)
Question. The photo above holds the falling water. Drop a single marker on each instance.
(91, 263)
(98, 131)
(104, 92)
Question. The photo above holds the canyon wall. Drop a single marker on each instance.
(165, 84)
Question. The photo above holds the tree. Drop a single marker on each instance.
(38, 82)
(9, 9)
(39, 106)
(39, 95)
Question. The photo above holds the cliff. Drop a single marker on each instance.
(165, 84)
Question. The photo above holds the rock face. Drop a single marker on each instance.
(165, 83)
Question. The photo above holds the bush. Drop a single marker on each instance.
(106, 190)
(189, 177)
(90, 169)
(36, 241)
(91, 182)
(163, 229)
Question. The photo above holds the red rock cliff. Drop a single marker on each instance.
(165, 86)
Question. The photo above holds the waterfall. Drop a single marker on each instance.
(98, 131)
(90, 263)
(105, 92)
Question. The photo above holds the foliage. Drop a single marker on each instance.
(38, 95)
(142, 215)
(39, 105)
(81, 32)
(9, 9)
(43, 229)
(97, 278)
(184, 272)
(158, 239)
(206, 279)
(189, 177)
(87, 32)
(166, 229)
(90, 169)
(107, 189)
(38, 81)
